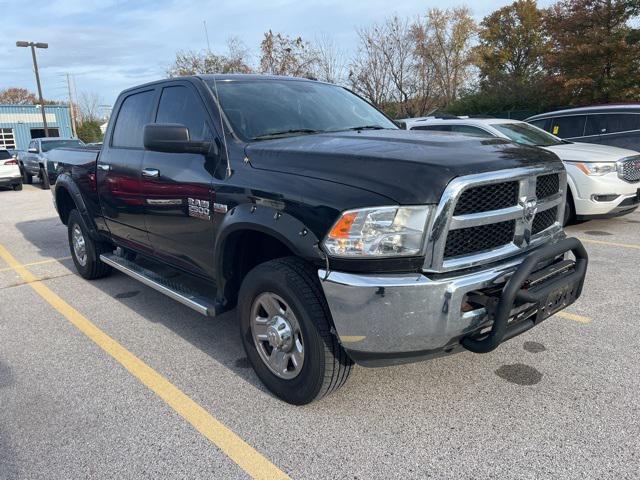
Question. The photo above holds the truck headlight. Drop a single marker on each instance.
(378, 232)
(597, 169)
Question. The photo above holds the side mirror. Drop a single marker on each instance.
(174, 138)
(33, 150)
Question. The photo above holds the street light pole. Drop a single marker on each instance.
(33, 46)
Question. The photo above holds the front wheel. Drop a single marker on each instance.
(286, 332)
(17, 187)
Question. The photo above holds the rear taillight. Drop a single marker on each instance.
(11, 162)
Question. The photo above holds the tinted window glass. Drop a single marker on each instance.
(4, 155)
(567, 127)
(438, 128)
(259, 110)
(51, 144)
(469, 130)
(133, 116)
(180, 105)
(596, 125)
(543, 124)
(621, 122)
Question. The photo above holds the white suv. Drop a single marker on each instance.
(10, 175)
(603, 181)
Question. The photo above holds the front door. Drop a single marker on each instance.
(119, 169)
(177, 187)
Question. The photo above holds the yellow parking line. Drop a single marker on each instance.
(245, 456)
(41, 262)
(574, 317)
(612, 244)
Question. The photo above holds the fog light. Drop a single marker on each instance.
(604, 198)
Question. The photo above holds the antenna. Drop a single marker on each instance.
(215, 87)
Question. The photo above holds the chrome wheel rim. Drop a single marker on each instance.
(79, 245)
(277, 336)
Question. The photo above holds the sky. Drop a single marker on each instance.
(111, 45)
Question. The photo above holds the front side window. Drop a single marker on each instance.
(179, 104)
(264, 109)
(568, 127)
(527, 134)
(134, 114)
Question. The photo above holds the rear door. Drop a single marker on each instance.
(177, 187)
(619, 130)
(119, 170)
(570, 127)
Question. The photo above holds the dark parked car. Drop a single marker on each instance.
(339, 237)
(616, 125)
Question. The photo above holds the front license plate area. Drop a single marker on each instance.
(557, 300)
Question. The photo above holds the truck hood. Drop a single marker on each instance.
(401, 165)
(590, 152)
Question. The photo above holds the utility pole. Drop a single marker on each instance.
(33, 46)
(72, 109)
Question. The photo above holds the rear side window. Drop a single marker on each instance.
(596, 125)
(437, 128)
(180, 105)
(134, 114)
(567, 127)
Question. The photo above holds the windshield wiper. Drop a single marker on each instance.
(367, 127)
(286, 132)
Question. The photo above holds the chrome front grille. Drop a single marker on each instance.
(629, 169)
(485, 217)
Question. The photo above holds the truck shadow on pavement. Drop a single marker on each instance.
(217, 337)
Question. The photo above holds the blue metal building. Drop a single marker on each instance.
(19, 124)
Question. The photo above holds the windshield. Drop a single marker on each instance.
(263, 109)
(527, 134)
(51, 144)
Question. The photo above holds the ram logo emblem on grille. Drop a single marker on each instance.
(529, 211)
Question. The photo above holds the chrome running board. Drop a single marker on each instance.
(170, 288)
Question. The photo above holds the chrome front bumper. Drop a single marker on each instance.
(398, 318)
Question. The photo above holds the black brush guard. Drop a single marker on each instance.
(544, 299)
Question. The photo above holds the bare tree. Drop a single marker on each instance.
(368, 71)
(89, 107)
(444, 40)
(283, 55)
(189, 62)
(331, 64)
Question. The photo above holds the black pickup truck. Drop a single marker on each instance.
(339, 237)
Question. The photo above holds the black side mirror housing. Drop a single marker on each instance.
(174, 138)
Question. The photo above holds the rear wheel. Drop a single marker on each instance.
(85, 251)
(286, 332)
(17, 187)
(44, 179)
(26, 177)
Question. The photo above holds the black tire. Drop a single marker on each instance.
(93, 268)
(569, 211)
(326, 365)
(17, 187)
(26, 177)
(44, 179)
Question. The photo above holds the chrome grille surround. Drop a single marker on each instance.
(523, 213)
(629, 169)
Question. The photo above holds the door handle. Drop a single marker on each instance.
(150, 172)
(104, 167)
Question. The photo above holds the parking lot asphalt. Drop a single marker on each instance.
(560, 401)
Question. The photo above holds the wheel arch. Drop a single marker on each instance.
(67, 196)
(253, 234)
